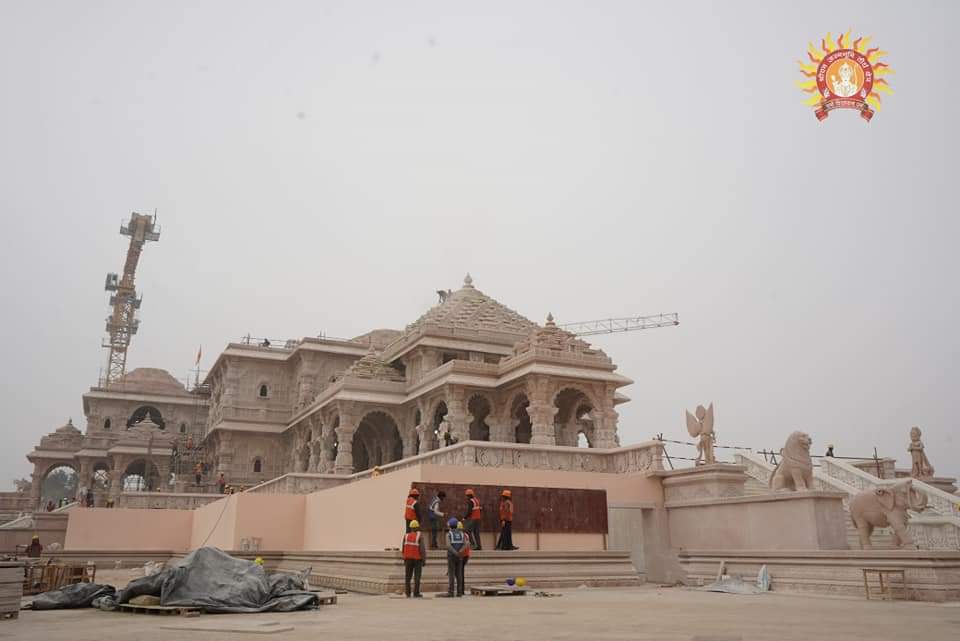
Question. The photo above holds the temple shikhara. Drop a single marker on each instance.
(324, 451)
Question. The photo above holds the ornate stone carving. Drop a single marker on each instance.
(700, 427)
(920, 468)
(795, 470)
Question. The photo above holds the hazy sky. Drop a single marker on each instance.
(326, 166)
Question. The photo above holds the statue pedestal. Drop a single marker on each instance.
(716, 481)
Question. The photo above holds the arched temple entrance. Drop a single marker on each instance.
(376, 441)
(140, 476)
(520, 419)
(479, 407)
(60, 482)
(573, 419)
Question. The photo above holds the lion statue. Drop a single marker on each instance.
(795, 469)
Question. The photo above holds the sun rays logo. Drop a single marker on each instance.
(844, 76)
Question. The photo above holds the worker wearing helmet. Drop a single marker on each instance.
(34, 549)
(505, 540)
(471, 518)
(411, 511)
(414, 553)
(436, 516)
(458, 551)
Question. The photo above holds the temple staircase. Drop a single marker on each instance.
(936, 528)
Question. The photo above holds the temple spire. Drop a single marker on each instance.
(550, 322)
(468, 280)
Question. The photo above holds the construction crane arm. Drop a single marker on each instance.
(626, 324)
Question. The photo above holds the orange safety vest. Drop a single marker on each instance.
(411, 546)
(506, 510)
(474, 509)
(410, 513)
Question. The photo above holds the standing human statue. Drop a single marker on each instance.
(920, 468)
(701, 426)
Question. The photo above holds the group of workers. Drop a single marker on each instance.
(461, 538)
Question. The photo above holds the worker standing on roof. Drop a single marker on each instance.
(414, 554)
(436, 516)
(505, 540)
(472, 518)
(411, 512)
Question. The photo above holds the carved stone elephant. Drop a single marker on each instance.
(886, 507)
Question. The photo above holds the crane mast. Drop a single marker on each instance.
(122, 322)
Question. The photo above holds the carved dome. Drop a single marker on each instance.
(69, 428)
(150, 380)
(468, 307)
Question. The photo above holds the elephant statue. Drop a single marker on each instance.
(795, 469)
(886, 506)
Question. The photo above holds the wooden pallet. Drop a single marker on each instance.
(497, 590)
(11, 589)
(159, 609)
(326, 597)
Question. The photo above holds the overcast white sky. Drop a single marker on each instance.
(326, 166)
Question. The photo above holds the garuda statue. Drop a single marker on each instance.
(701, 427)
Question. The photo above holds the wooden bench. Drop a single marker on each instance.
(886, 590)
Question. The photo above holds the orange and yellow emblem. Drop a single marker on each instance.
(844, 75)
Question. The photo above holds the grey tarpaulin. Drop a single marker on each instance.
(76, 595)
(213, 580)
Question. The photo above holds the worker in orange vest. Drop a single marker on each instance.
(472, 519)
(505, 540)
(414, 553)
(411, 511)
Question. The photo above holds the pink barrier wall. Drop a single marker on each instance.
(214, 524)
(364, 515)
(276, 519)
(128, 529)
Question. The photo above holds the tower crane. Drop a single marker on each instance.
(122, 323)
(617, 325)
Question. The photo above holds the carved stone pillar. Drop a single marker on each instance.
(116, 485)
(327, 440)
(457, 415)
(316, 455)
(225, 455)
(345, 432)
(605, 428)
(409, 439)
(425, 437)
(86, 474)
(305, 390)
(36, 481)
(541, 412)
(499, 429)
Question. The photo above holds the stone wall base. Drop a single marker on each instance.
(930, 576)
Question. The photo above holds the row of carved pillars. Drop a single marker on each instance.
(330, 446)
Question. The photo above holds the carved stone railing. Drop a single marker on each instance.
(298, 483)
(938, 501)
(641, 457)
(165, 500)
(931, 529)
(760, 469)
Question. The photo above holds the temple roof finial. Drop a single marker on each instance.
(468, 280)
(550, 322)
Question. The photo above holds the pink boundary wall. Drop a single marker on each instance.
(99, 528)
(364, 515)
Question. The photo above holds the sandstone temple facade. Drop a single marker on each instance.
(469, 368)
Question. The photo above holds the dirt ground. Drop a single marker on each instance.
(664, 614)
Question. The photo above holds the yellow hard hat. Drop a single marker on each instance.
(258, 561)
(459, 525)
(414, 523)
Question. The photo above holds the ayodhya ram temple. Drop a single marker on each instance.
(320, 441)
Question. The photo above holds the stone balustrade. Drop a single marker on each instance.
(936, 528)
(937, 500)
(298, 483)
(165, 500)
